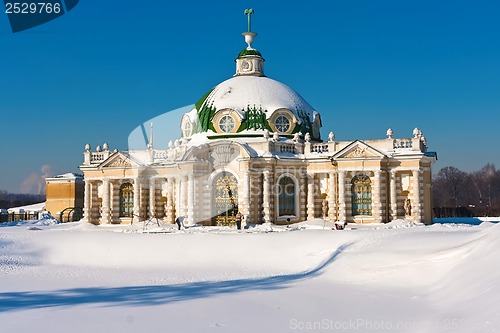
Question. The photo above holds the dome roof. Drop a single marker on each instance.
(242, 92)
(247, 95)
(249, 52)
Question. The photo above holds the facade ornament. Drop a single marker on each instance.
(170, 144)
(324, 208)
(266, 134)
(307, 137)
(87, 147)
(424, 141)
(98, 149)
(105, 146)
(176, 143)
(331, 136)
(416, 132)
(276, 136)
(358, 152)
(119, 162)
(296, 137)
(224, 154)
(389, 133)
(407, 207)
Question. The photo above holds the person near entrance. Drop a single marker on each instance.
(238, 219)
(180, 221)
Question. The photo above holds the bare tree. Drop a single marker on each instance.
(450, 184)
(476, 193)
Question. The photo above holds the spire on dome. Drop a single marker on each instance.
(249, 61)
(249, 12)
(249, 35)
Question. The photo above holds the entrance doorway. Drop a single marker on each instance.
(224, 199)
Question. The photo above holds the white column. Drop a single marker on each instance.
(170, 200)
(303, 196)
(137, 200)
(183, 195)
(376, 204)
(94, 207)
(152, 194)
(246, 197)
(266, 204)
(341, 186)
(190, 199)
(416, 197)
(332, 200)
(87, 201)
(310, 196)
(114, 202)
(105, 202)
(394, 202)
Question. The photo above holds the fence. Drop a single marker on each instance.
(71, 214)
(472, 211)
(10, 217)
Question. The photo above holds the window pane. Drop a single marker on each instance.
(361, 195)
(286, 196)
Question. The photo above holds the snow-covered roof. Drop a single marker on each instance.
(240, 92)
(38, 207)
(69, 175)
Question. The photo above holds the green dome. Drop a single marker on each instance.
(249, 52)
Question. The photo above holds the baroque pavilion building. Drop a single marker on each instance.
(252, 144)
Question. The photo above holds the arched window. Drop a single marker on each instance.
(126, 200)
(361, 195)
(186, 128)
(286, 196)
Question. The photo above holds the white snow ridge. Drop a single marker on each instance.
(397, 277)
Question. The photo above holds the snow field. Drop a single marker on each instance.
(387, 277)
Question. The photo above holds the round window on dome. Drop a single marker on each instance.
(226, 123)
(282, 124)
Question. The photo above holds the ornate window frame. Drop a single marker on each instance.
(283, 113)
(219, 115)
(186, 121)
(126, 199)
(361, 193)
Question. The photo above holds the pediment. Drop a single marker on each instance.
(118, 160)
(358, 150)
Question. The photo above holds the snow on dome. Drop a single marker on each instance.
(246, 92)
(240, 92)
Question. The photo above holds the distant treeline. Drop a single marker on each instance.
(9, 200)
(464, 194)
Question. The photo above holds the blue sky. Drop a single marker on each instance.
(94, 74)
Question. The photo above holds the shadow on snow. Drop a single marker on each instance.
(151, 295)
(463, 220)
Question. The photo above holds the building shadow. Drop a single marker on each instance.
(152, 295)
(462, 220)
